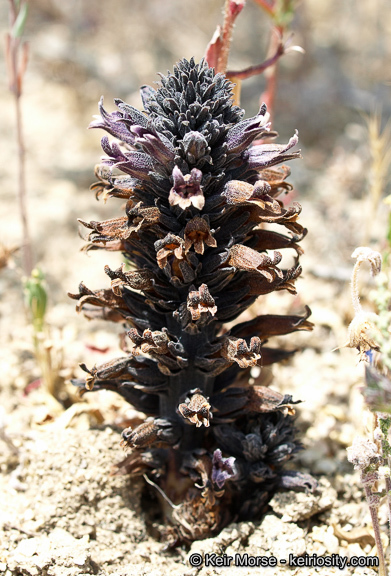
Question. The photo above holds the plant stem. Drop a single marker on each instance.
(376, 528)
(16, 69)
(354, 288)
(226, 40)
(388, 489)
(271, 74)
(231, 10)
(27, 256)
(258, 68)
(384, 423)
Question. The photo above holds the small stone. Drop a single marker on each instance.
(274, 537)
(297, 506)
(27, 548)
(325, 535)
(355, 549)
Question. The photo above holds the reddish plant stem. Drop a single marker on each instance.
(225, 40)
(376, 528)
(16, 72)
(269, 95)
(259, 68)
(232, 9)
(388, 489)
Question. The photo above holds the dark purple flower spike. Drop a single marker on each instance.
(202, 233)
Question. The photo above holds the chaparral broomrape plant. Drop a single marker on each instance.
(199, 251)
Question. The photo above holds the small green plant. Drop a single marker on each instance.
(36, 299)
(366, 457)
(48, 356)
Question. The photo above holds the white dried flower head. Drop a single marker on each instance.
(361, 332)
(363, 453)
(374, 258)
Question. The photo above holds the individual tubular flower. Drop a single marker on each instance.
(237, 350)
(170, 246)
(202, 235)
(266, 155)
(150, 432)
(363, 331)
(223, 468)
(196, 408)
(198, 234)
(187, 189)
(200, 302)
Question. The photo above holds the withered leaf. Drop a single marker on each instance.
(112, 369)
(269, 240)
(262, 400)
(102, 298)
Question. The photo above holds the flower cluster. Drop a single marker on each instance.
(201, 235)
